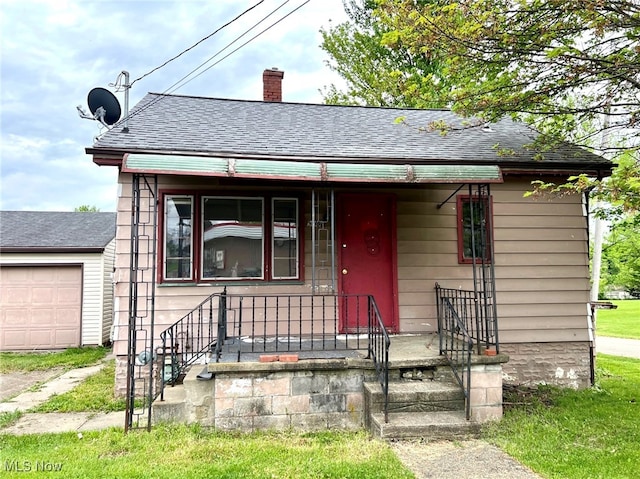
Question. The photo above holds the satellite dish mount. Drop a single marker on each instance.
(104, 105)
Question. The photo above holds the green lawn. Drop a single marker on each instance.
(623, 322)
(176, 451)
(95, 394)
(195, 452)
(68, 359)
(591, 433)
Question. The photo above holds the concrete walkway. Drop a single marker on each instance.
(470, 459)
(57, 422)
(629, 348)
(34, 395)
(59, 385)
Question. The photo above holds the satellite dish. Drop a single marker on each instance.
(104, 106)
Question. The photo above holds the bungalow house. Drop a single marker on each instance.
(56, 279)
(266, 200)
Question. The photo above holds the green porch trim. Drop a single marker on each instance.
(309, 170)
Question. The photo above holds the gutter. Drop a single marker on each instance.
(45, 249)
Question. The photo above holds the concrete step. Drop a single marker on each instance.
(172, 408)
(439, 425)
(415, 396)
(421, 371)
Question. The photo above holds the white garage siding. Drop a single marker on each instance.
(108, 258)
(96, 286)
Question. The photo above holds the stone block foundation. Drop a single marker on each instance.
(307, 400)
(566, 364)
(309, 395)
(485, 396)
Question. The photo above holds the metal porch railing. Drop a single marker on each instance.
(304, 323)
(235, 327)
(456, 345)
(378, 351)
(475, 312)
(190, 338)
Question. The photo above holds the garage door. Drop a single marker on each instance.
(40, 307)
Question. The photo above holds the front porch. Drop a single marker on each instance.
(314, 331)
(334, 390)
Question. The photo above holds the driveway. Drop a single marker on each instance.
(12, 384)
(629, 348)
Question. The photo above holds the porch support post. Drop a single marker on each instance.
(142, 281)
(334, 286)
(313, 241)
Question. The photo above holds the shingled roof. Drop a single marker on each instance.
(209, 126)
(56, 231)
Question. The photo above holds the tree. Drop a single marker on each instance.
(86, 209)
(561, 65)
(554, 63)
(621, 256)
(376, 74)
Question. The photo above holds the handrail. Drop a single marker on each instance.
(378, 351)
(189, 338)
(475, 313)
(456, 345)
(222, 324)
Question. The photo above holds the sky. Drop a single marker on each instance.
(53, 52)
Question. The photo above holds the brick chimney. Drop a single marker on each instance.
(272, 84)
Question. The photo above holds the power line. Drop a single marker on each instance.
(233, 51)
(197, 43)
(177, 84)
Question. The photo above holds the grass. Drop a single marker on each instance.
(68, 359)
(180, 451)
(94, 394)
(623, 322)
(193, 451)
(9, 418)
(591, 433)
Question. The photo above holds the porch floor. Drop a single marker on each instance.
(414, 348)
(404, 348)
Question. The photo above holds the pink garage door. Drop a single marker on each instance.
(40, 307)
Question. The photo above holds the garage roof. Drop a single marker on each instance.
(56, 231)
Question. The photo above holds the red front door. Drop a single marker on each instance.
(366, 242)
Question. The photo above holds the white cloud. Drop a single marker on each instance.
(53, 53)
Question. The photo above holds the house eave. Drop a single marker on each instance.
(115, 157)
(45, 249)
(558, 170)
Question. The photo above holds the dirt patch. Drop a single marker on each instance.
(528, 398)
(12, 384)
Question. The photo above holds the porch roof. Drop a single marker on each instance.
(309, 170)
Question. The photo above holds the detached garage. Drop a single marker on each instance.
(56, 289)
